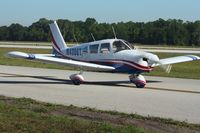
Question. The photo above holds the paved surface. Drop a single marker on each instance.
(172, 51)
(147, 49)
(164, 97)
(26, 46)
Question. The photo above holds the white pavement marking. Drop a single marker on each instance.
(103, 92)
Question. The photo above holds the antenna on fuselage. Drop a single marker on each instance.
(114, 32)
(75, 38)
(92, 37)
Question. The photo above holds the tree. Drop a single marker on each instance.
(172, 31)
(17, 32)
(4, 33)
(39, 31)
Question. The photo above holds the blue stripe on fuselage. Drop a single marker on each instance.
(120, 67)
(127, 69)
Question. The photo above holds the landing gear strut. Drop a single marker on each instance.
(138, 80)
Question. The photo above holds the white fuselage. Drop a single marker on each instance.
(111, 52)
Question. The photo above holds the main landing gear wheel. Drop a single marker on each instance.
(138, 80)
(77, 79)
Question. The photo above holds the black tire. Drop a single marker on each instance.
(76, 82)
(140, 85)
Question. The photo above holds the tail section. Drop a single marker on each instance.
(56, 52)
(57, 38)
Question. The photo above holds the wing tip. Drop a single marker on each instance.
(193, 57)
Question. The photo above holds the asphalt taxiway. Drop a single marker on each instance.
(147, 49)
(174, 98)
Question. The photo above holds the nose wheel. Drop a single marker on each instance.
(138, 80)
(77, 79)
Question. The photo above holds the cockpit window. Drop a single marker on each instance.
(119, 46)
(130, 45)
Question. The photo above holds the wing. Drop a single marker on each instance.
(53, 59)
(177, 59)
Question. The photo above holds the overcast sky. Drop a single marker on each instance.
(26, 12)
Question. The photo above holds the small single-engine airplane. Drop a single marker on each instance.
(112, 55)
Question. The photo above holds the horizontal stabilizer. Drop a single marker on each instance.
(22, 55)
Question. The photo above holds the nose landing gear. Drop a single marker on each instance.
(77, 79)
(138, 80)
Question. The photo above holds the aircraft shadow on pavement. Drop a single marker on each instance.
(53, 80)
(44, 80)
(126, 83)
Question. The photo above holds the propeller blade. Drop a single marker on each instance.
(167, 68)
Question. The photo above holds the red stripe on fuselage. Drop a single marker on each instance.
(113, 62)
(128, 64)
(55, 44)
(139, 65)
(110, 61)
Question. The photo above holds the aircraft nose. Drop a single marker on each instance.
(152, 59)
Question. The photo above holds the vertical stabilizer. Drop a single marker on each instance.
(57, 38)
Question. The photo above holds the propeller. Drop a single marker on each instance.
(166, 68)
(153, 60)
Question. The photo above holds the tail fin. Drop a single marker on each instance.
(55, 52)
(57, 39)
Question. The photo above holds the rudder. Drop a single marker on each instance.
(57, 38)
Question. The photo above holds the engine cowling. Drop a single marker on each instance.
(77, 79)
(138, 80)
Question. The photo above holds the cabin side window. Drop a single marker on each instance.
(105, 48)
(94, 48)
(85, 50)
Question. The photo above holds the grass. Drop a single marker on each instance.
(27, 115)
(149, 118)
(5, 60)
(182, 70)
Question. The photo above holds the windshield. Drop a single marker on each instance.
(119, 46)
(130, 45)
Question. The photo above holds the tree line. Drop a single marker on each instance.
(171, 31)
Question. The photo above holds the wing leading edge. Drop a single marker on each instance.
(177, 59)
(53, 59)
